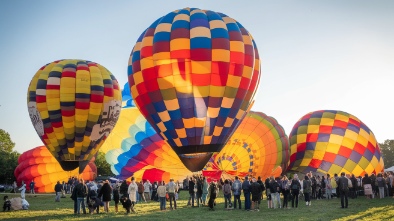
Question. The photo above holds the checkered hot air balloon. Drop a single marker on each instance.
(193, 74)
(73, 105)
(330, 141)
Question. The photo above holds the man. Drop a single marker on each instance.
(236, 188)
(172, 188)
(147, 189)
(81, 193)
(191, 192)
(141, 192)
(343, 186)
(256, 190)
(246, 189)
(32, 183)
(58, 191)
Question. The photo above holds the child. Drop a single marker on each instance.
(7, 204)
(126, 202)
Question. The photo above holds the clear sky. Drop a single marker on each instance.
(315, 55)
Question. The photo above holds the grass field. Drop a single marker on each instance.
(43, 207)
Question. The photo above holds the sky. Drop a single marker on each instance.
(316, 55)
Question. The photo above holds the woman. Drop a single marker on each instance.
(307, 184)
(205, 187)
(268, 193)
(328, 187)
(23, 189)
(161, 193)
(132, 192)
(105, 192)
(295, 190)
(115, 193)
(285, 190)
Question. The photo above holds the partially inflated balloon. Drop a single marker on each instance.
(258, 147)
(135, 149)
(73, 105)
(39, 165)
(193, 74)
(330, 141)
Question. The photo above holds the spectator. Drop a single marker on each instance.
(141, 191)
(295, 190)
(58, 191)
(147, 189)
(105, 192)
(172, 189)
(237, 188)
(32, 184)
(132, 192)
(343, 185)
(23, 190)
(81, 193)
(161, 192)
(246, 190)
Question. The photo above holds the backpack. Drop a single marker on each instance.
(294, 185)
(226, 189)
(213, 189)
(81, 190)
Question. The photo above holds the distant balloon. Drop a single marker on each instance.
(193, 74)
(73, 105)
(258, 147)
(331, 141)
(134, 149)
(39, 165)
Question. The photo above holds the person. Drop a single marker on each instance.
(191, 192)
(246, 190)
(93, 201)
(23, 190)
(275, 192)
(226, 188)
(328, 187)
(123, 188)
(153, 196)
(105, 192)
(381, 184)
(116, 197)
(141, 191)
(74, 198)
(259, 181)
(161, 193)
(343, 185)
(199, 191)
(132, 192)
(366, 181)
(7, 204)
(172, 188)
(255, 190)
(213, 191)
(15, 186)
(205, 187)
(268, 193)
(32, 184)
(237, 188)
(58, 191)
(147, 189)
(307, 185)
(295, 190)
(81, 193)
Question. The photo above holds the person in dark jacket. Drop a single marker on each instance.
(115, 193)
(255, 190)
(58, 191)
(105, 192)
(191, 192)
(343, 185)
(93, 202)
(268, 193)
(295, 187)
(123, 188)
(246, 190)
(259, 181)
(81, 193)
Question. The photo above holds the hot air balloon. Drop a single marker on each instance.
(39, 165)
(193, 74)
(331, 141)
(73, 105)
(258, 147)
(134, 149)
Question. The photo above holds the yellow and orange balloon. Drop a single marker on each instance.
(39, 165)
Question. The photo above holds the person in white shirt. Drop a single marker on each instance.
(147, 189)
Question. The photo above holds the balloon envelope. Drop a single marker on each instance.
(331, 141)
(39, 165)
(258, 147)
(73, 105)
(193, 74)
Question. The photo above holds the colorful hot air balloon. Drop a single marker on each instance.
(330, 141)
(73, 105)
(193, 74)
(258, 147)
(134, 149)
(39, 165)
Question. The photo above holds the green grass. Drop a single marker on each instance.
(43, 207)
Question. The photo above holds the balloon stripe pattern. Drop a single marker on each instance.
(73, 105)
(39, 165)
(193, 74)
(259, 147)
(331, 141)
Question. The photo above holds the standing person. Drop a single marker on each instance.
(32, 184)
(381, 184)
(268, 193)
(227, 194)
(161, 192)
(132, 192)
(213, 191)
(199, 191)
(81, 193)
(105, 192)
(328, 187)
(141, 191)
(58, 191)
(307, 184)
(237, 188)
(154, 191)
(343, 185)
(205, 187)
(259, 181)
(191, 192)
(246, 190)
(15, 186)
(172, 188)
(23, 189)
(74, 198)
(367, 186)
(255, 190)
(295, 190)
(123, 188)
(285, 190)
(116, 195)
(275, 192)
(147, 189)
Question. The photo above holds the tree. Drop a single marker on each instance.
(6, 143)
(8, 158)
(103, 168)
(387, 149)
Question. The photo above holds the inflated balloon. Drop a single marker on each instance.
(39, 165)
(258, 147)
(331, 141)
(134, 148)
(73, 105)
(193, 74)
